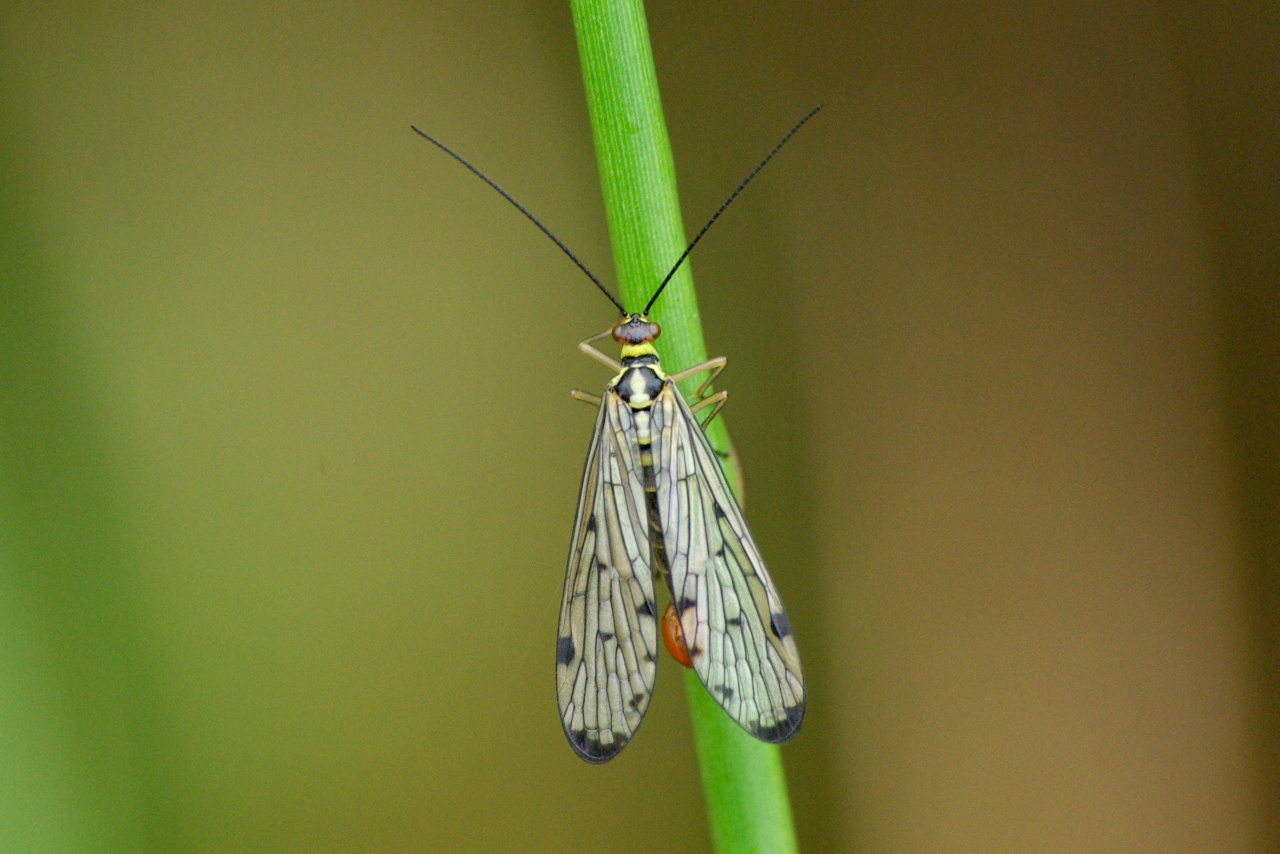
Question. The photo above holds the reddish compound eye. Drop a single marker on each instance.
(635, 329)
(673, 636)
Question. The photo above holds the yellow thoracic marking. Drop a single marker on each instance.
(630, 351)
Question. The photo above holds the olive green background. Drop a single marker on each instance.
(287, 462)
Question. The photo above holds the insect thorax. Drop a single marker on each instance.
(640, 381)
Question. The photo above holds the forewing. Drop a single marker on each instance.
(606, 656)
(733, 621)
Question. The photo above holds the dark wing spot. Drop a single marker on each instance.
(593, 749)
(606, 636)
(646, 609)
(637, 701)
(781, 625)
(783, 729)
(736, 622)
(564, 651)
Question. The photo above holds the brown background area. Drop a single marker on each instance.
(1002, 328)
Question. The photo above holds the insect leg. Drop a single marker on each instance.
(577, 394)
(586, 348)
(715, 366)
(715, 401)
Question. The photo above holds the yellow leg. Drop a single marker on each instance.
(584, 397)
(715, 366)
(715, 401)
(586, 348)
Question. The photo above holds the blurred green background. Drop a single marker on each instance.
(288, 464)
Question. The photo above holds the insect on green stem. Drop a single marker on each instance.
(748, 808)
(656, 500)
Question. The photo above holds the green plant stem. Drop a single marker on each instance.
(743, 781)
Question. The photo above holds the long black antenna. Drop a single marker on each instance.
(716, 215)
(565, 249)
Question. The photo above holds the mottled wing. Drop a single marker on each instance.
(733, 621)
(606, 656)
